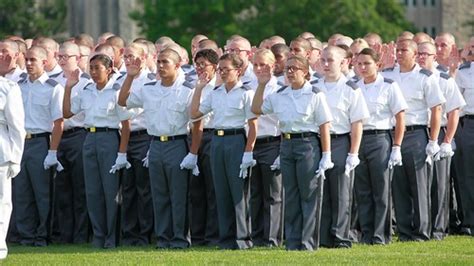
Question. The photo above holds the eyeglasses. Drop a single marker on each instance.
(424, 55)
(292, 69)
(129, 57)
(202, 65)
(64, 56)
(84, 55)
(235, 50)
(225, 70)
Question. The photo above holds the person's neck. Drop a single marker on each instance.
(333, 78)
(407, 67)
(429, 66)
(443, 61)
(168, 81)
(34, 77)
(229, 85)
(297, 85)
(101, 85)
(7, 71)
(370, 79)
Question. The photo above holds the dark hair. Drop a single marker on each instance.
(104, 59)
(208, 54)
(347, 49)
(370, 52)
(301, 61)
(234, 60)
(280, 48)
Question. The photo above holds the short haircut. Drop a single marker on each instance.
(305, 44)
(370, 52)
(115, 41)
(104, 59)
(172, 54)
(280, 48)
(265, 53)
(40, 51)
(234, 60)
(208, 54)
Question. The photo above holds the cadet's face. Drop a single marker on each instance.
(296, 49)
(425, 56)
(280, 63)
(7, 57)
(295, 72)
(204, 66)
(405, 54)
(166, 66)
(443, 47)
(99, 73)
(34, 63)
(67, 59)
(130, 56)
(239, 49)
(228, 72)
(262, 65)
(366, 66)
(331, 62)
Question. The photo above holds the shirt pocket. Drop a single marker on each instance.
(177, 113)
(105, 107)
(377, 104)
(235, 108)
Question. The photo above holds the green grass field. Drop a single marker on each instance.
(453, 250)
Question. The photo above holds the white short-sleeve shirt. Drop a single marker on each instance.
(465, 81)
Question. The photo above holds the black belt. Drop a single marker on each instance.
(101, 129)
(39, 135)
(267, 139)
(335, 136)
(168, 138)
(228, 132)
(138, 132)
(468, 116)
(376, 131)
(414, 127)
(298, 135)
(72, 130)
(207, 130)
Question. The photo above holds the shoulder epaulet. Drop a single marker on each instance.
(426, 72)
(312, 82)
(88, 85)
(352, 84)
(246, 82)
(150, 83)
(442, 68)
(388, 69)
(55, 75)
(85, 76)
(280, 83)
(188, 78)
(23, 75)
(246, 87)
(23, 80)
(386, 80)
(282, 89)
(52, 82)
(151, 76)
(355, 78)
(216, 87)
(116, 86)
(465, 65)
(188, 84)
(120, 77)
(192, 72)
(316, 90)
(444, 75)
(317, 75)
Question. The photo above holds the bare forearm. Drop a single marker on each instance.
(196, 136)
(195, 103)
(356, 136)
(124, 136)
(453, 121)
(67, 103)
(399, 128)
(125, 91)
(325, 137)
(252, 135)
(258, 100)
(56, 134)
(435, 122)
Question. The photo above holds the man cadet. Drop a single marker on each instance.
(242, 48)
(465, 81)
(42, 99)
(166, 107)
(445, 43)
(9, 53)
(137, 208)
(281, 53)
(449, 122)
(302, 47)
(70, 195)
(411, 181)
(118, 44)
(51, 68)
(12, 140)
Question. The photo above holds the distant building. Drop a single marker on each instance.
(435, 16)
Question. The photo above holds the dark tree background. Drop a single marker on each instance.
(258, 19)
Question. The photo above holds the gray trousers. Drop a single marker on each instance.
(102, 188)
(440, 195)
(372, 188)
(32, 194)
(232, 192)
(338, 190)
(410, 184)
(70, 191)
(266, 196)
(137, 204)
(299, 160)
(204, 225)
(467, 180)
(169, 190)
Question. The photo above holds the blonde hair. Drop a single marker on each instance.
(266, 54)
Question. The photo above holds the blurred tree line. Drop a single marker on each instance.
(259, 19)
(31, 18)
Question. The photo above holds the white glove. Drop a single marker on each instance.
(446, 150)
(247, 162)
(120, 163)
(453, 145)
(395, 157)
(352, 161)
(276, 164)
(190, 162)
(13, 170)
(145, 160)
(52, 160)
(325, 163)
(432, 148)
